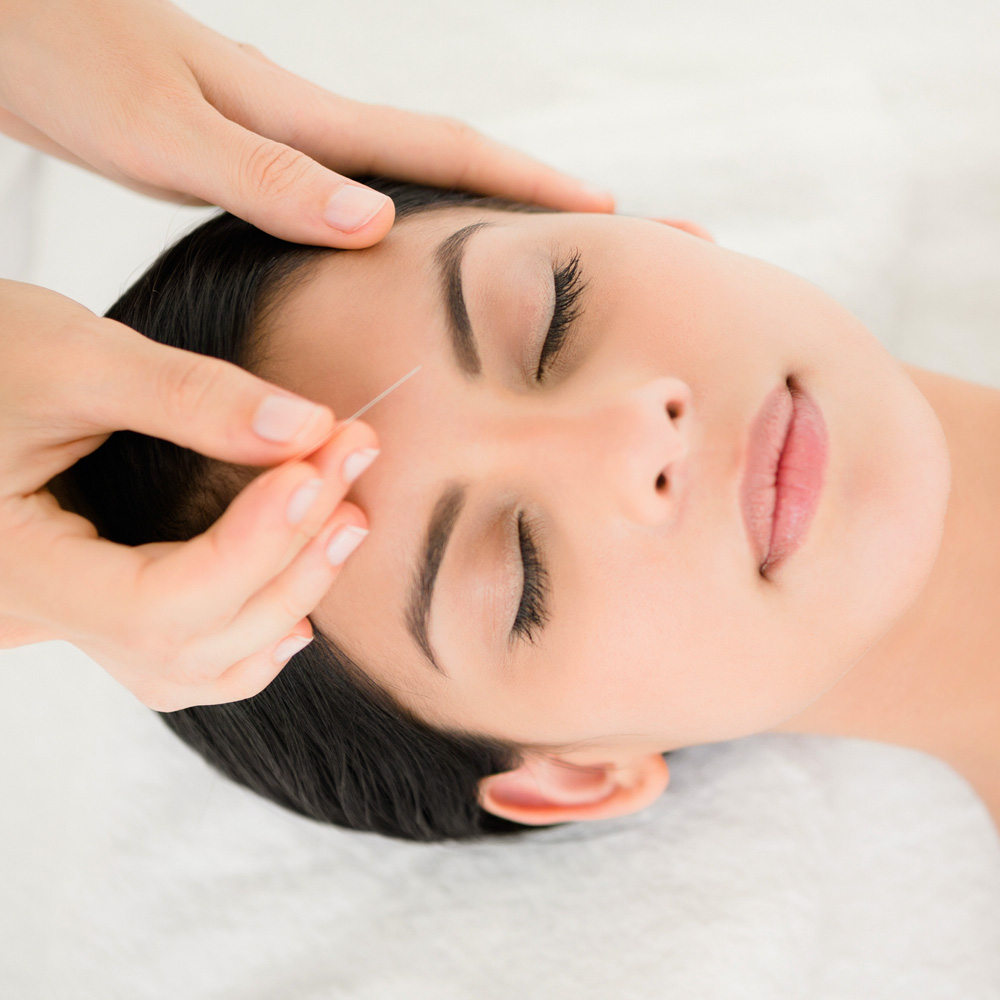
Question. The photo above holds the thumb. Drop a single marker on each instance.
(280, 190)
(211, 406)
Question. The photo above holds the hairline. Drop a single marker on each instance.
(300, 272)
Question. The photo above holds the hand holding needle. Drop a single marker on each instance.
(201, 621)
(354, 416)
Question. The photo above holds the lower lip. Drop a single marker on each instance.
(784, 472)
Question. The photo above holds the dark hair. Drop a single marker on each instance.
(323, 739)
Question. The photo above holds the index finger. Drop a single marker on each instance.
(355, 138)
(445, 152)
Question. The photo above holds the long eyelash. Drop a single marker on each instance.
(531, 614)
(568, 286)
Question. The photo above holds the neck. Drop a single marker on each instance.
(932, 683)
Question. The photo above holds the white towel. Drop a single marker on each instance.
(20, 176)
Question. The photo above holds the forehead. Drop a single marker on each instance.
(353, 324)
(340, 324)
(359, 319)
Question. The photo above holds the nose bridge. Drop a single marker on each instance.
(622, 452)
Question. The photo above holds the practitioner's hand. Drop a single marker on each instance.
(143, 93)
(179, 624)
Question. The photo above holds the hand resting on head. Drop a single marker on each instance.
(141, 92)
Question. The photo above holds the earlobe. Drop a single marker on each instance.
(688, 227)
(550, 790)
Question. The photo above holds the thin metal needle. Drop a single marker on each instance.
(354, 416)
(381, 395)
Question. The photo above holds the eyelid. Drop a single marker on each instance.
(568, 285)
(532, 613)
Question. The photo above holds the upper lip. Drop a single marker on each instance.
(766, 440)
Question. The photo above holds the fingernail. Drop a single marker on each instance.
(344, 542)
(302, 500)
(357, 462)
(352, 206)
(287, 648)
(281, 418)
(596, 193)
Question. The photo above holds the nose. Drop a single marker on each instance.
(624, 453)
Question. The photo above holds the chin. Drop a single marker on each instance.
(890, 493)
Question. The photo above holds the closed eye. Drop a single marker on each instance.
(566, 310)
(532, 613)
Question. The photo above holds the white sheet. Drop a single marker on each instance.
(858, 147)
(20, 179)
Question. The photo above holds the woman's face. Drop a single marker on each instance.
(650, 626)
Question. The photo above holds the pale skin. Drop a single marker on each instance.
(661, 631)
(932, 683)
(141, 92)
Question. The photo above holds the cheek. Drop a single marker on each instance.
(682, 657)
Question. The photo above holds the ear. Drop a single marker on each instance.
(552, 790)
(689, 227)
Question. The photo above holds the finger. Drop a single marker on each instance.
(446, 152)
(18, 128)
(361, 138)
(279, 189)
(280, 609)
(208, 579)
(129, 613)
(251, 675)
(211, 406)
(243, 680)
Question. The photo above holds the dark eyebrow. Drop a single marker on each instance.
(442, 523)
(449, 257)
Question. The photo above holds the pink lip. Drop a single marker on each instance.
(783, 475)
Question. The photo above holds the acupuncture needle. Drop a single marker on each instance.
(354, 416)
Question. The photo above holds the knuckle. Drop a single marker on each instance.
(287, 602)
(532, 191)
(189, 383)
(272, 169)
(255, 53)
(223, 552)
(459, 131)
(466, 148)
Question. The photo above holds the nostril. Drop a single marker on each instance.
(661, 482)
(673, 411)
